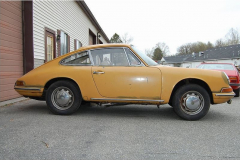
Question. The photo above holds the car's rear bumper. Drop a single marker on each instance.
(222, 97)
(30, 91)
(234, 84)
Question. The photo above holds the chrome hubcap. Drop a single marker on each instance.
(192, 102)
(62, 98)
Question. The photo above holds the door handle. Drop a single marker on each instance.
(98, 72)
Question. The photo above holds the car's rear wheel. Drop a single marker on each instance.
(63, 97)
(236, 91)
(191, 102)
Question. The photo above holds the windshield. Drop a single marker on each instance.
(146, 59)
(217, 66)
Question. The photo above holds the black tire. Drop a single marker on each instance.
(63, 97)
(236, 91)
(191, 102)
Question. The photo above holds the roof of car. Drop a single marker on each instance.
(104, 46)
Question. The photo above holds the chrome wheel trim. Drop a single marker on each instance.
(62, 98)
(192, 102)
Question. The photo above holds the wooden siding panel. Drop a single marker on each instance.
(5, 23)
(8, 38)
(10, 51)
(11, 32)
(11, 56)
(10, 94)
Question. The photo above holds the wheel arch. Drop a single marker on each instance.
(192, 81)
(50, 82)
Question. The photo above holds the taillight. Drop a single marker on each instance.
(233, 79)
(226, 90)
(19, 83)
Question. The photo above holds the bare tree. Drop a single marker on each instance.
(184, 49)
(126, 38)
(232, 37)
(220, 43)
(163, 47)
(149, 52)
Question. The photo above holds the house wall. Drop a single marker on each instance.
(11, 46)
(59, 15)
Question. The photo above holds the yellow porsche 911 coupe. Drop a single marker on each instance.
(119, 73)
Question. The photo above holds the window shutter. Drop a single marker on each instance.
(75, 44)
(58, 44)
(68, 43)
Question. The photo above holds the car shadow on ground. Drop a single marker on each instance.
(164, 112)
(141, 111)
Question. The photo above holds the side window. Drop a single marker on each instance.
(81, 58)
(132, 58)
(109, 57)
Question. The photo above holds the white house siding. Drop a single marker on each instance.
(59, 15)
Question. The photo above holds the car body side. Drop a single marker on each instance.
(170, 78)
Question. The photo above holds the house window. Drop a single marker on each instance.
(92, 38)
(77, 44)
(63, 43)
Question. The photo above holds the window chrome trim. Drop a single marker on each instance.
(141, 63)
(126, 56)
(90, 64)
(90, 56)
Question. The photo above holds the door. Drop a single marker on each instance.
(117, 76)
(49, 45)
(11, 48)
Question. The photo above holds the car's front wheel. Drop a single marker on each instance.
(63, 97)
(191, 102)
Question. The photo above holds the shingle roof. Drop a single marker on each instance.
(176, 59)
(227, 52)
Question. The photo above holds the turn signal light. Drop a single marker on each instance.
(226, 90)
(19, 83)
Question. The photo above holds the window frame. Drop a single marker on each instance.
(141, 63)
(90, 64)
(48, 30)
(129, 65)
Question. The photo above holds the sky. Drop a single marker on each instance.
(174, 22)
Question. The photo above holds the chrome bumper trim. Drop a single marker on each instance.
(234, 84)
(113, 99)
(225, 94)
(28, 89)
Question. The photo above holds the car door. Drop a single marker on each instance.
(118, 73)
